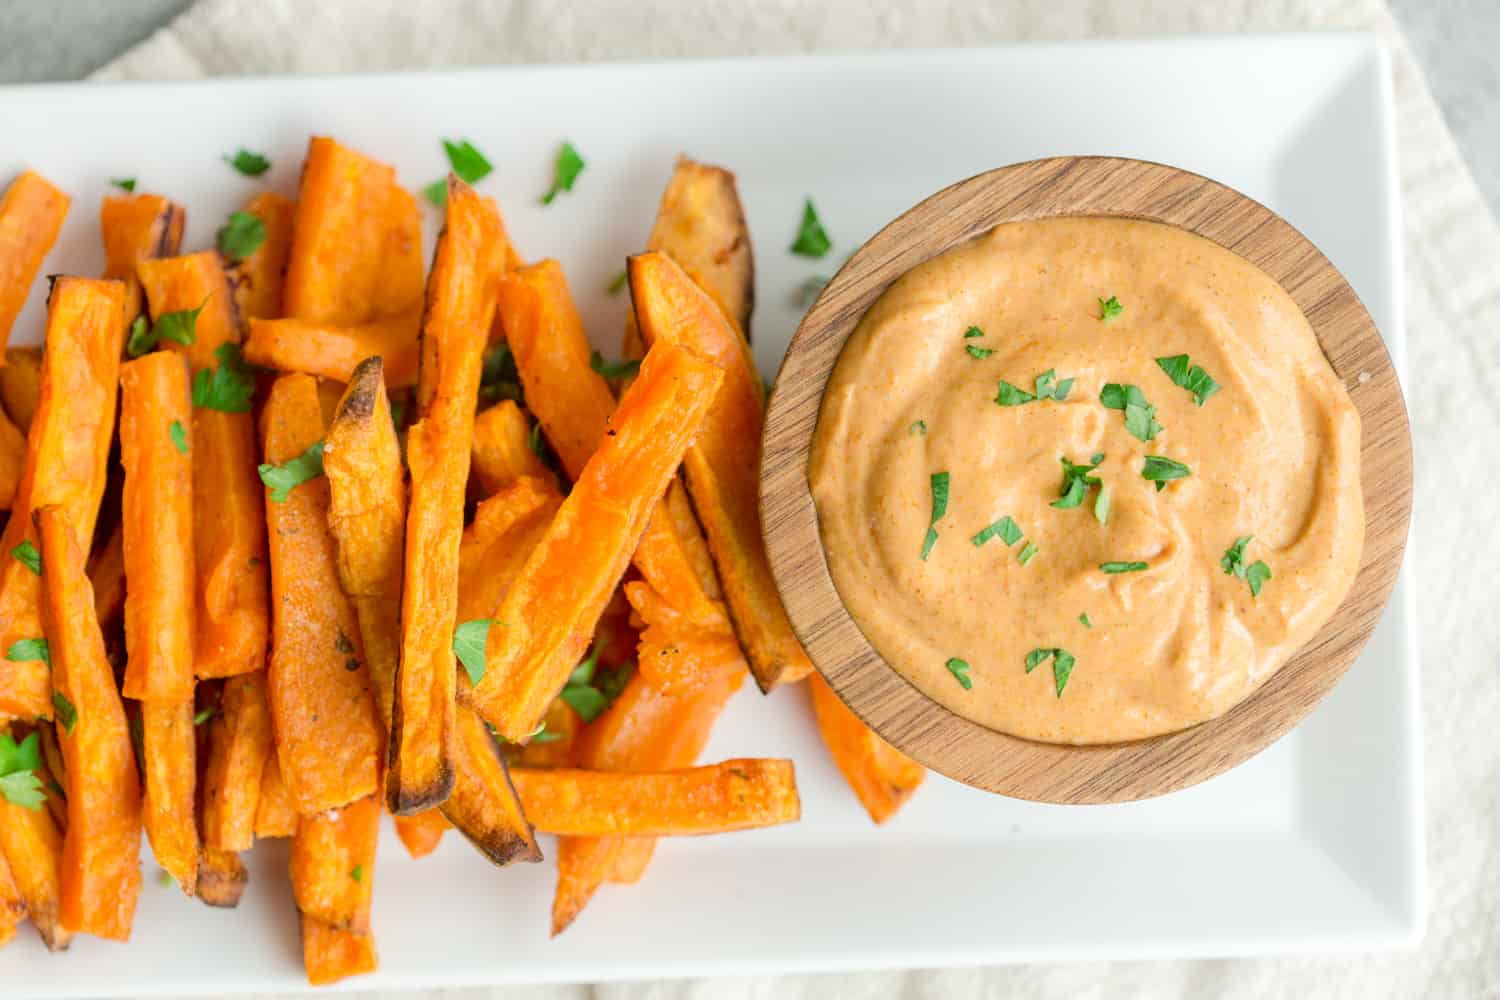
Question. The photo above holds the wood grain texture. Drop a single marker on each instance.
(975, 754)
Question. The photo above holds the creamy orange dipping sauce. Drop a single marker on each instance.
(1121, 606)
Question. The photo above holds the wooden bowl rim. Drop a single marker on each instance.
(927, 731)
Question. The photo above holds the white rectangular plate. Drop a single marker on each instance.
(1315, 845)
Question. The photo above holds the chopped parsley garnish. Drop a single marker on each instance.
(178, 434)
(1027, 553)
(469, 641)
(1123, 567)
(282, 479)
(812, 239)
(204, 714)
(918, 427)
(973, 332)
(227, 387)
(465, 161)
(1256, 574)
(67, 715)
(1109, 308)
(1006, 529)
(1084, 618)
(1140, 416)
(180, 327)
(248, 163)
(565, 171)
(29, 649)
(542, 735)
(241, 236)
(500, 379)
(591, 689)
(126, 184)
(1076, 482)
(1183, 372)
(357, 873)
(534, 441)
(164, 879)
(1062, 664)
(939, 509)
(27, 555)
(625, 368)
(1101, 504)
(1161, 470)
(617, 283)
(960, 671)
(1047, 387)
(809, 290)
(20, 783)
(979, 353)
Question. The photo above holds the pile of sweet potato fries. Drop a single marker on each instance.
(368, 537)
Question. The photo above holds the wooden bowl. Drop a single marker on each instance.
(973, 753)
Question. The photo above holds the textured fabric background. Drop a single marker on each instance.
(1453, 302)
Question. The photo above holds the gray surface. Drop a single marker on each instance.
(1453, 40)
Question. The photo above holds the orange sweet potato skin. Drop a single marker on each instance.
(275, 814)
(258, 279)
(31, 214)
(222, 878)
(156, 505)
(12, 460)
(322, 709)
(567, 580)
(333, 864)
(239, 746)
(100, 871)
(135, 227)
(329, 954)
(229, 527)
(882, 777)
(421, 833)
(722, 466)
(328, 351)
(169, 755)
(12, 903)
(21, 384)
(67, 455)
(33, 847)
(460, 310)
(502, 450)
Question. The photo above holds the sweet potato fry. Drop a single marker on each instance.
(506, 528)
(12, 459)
(421, 833)
(632, 858)
(31, 214)
(882, 777)
(169, 755)
(33, 846)
(333, 864)
(554, 604)
(718, 798)
(107, 574)
(229, 527)
(12, 904)
(399, 290)
(554, 746)
(484, 806)
(722, 466)
(135, 227)
(329, 954)
(701, 225)
(322, 709)
(275, 815)
(676, 648)
(644, 730)
(258, 279)
(502, 449)
(239, 748)
(101, 879)
(21, 384)
(297, 345)
(156, 511)
(67, 455)
(460, 309)
(222, 878)
(340, 240)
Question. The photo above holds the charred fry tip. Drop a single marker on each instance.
(405, 800)
(365, 382)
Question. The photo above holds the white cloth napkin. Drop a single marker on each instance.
(1453, 308)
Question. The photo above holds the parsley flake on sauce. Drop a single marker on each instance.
(565, 171)
(1062, 664)
(1184, 373)
(1109, 308)
(1161, 470)
(960, 671)
(1140, 416)
(918, 428)
(1047, 387)
(1255, 574)
(939, 509)
(812, 239)
(1123, 567)
(1027, 553)
(1076, 483)
(975, 352)
(1084, 618)
(282, 479)
(1006, 529)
